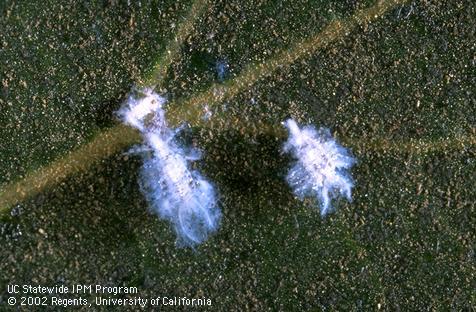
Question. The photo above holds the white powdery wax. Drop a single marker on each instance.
(177, 193)
(321, 167)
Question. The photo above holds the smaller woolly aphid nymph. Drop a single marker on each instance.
(321, 167)
(175, 191)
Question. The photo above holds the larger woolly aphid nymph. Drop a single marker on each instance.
(176, 192)
(321, 167)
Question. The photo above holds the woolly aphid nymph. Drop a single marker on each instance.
(176, 192)
(321, 166)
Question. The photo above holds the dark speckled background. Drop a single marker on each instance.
(406, 242)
